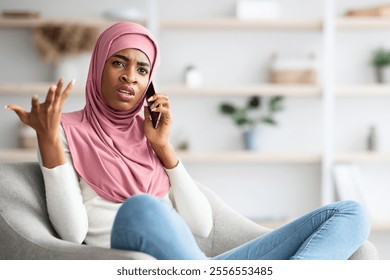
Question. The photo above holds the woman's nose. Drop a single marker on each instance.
(129, 77)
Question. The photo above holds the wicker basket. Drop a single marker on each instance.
(382, 11)
(293, 76)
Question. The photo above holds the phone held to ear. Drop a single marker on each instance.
(154, 115)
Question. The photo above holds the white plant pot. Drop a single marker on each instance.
(386, 75)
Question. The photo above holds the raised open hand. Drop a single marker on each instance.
(45, 117)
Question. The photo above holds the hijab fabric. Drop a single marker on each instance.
(108, 147)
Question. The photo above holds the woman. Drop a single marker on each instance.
(113, 180)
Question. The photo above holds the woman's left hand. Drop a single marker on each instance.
(159, 137)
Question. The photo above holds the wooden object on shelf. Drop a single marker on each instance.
(293, 70)
(18, 155)
(8, 22)
(382, 11)
(293, 76)
(233, 23)
(361, 23)
(363, 157)
(249, 157)
(20, 14)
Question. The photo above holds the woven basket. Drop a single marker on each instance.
(293, 76)
(382, 11)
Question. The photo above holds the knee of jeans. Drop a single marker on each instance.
(139, 210)
(360, 215)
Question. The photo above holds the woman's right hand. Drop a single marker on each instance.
(45, 119)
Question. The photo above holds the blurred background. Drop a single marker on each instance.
(279, 106)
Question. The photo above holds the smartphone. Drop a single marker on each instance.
(154, 115)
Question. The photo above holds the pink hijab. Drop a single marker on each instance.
(108, 147)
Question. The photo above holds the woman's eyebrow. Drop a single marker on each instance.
(145, 64)
(125, 58)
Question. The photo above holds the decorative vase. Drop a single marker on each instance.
(251, 139)
(382, 74)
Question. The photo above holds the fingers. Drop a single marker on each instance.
(67, 91)
(58, 90)
(160, 104)
(55, 99)
(35, 103)
(50, 95)
(56, 95)
(22, 114)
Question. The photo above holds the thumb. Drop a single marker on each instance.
(22, 114)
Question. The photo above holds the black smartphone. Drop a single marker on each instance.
(154, 115)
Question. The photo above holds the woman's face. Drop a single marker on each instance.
(125, 78)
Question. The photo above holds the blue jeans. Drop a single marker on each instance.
(149, 225)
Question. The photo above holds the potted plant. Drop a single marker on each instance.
(251, 115)
(381, 62)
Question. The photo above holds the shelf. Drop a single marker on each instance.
(29, 89)
(10, 155)
(380, 226)
(363, 157)
(359, 23)
(234, 157)
(223, 23)
(261, 89)
(35, 22)
(363, 90)
(343, 23)
(298, 90)
(18, 155)
(249, 157)
(233, 23)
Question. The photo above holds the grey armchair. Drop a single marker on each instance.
(26, 232)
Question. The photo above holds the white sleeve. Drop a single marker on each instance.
(67, 212)
(189, 201)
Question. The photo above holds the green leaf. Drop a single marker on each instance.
(254, 102)
(275, 104)
(381, 57)
(269, 120)
(241, 121)
(227, 109)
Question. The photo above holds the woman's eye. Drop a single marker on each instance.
(118, 63)
(143, 71)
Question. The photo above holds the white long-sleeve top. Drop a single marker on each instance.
(79, 214)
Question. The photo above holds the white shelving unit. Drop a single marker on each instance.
(327, 93)
(30, 89)
(233, 23)
(359, 23)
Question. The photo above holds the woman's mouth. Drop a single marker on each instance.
(125, 93)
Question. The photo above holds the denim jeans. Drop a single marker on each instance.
(149, 225)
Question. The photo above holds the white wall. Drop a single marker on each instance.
(232, 58)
